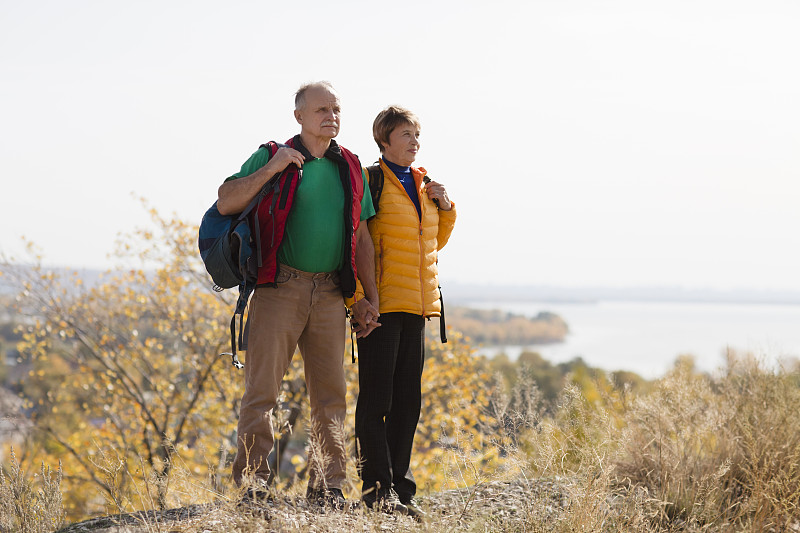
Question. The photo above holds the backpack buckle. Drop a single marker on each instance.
(234, 360)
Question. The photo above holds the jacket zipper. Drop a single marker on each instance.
(419, 242)
(421, 252)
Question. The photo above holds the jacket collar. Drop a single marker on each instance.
(418, 172)
(333, 152)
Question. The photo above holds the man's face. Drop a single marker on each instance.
(319, 116)
(403, 145)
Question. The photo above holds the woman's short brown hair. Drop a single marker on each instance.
(390, 118)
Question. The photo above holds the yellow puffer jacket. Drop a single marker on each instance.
(406, 249)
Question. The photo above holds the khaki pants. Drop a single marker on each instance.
(306, 311)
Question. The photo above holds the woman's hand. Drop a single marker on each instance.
(437, 192)
(365, 317)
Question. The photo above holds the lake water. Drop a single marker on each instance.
(647, 337)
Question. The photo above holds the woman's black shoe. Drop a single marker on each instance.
(386, 501)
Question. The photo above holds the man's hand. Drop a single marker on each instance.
(234, 195)
(436, 191)
(365, 311)
(284, 157)
(365, 317)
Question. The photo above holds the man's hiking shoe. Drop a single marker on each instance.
(387, 502)
(257, 496)
(257, 500)
(414, 509)
(332, 497)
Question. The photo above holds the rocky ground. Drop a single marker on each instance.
(495, 505)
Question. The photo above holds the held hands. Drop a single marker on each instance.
(365, 318)
(436, 191)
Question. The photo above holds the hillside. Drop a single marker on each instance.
(495, 506)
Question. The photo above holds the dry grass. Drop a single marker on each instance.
(699, 453)
(25, 509)
(718, 453)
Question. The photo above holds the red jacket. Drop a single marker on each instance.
(274, 209)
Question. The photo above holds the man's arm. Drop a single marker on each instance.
(365, 311)
(234, 195)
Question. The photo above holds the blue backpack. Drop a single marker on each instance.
(227, 244)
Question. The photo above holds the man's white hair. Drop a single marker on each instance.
(300, 95)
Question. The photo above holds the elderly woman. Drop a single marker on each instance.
(413, 221)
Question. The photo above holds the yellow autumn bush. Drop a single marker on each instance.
(128, 391)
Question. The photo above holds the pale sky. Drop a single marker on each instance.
(585, 143)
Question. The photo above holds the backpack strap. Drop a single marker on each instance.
(246, 288)
(272, 147)
(426, 180)
(234, 360)
(442, 326)
(375, 174)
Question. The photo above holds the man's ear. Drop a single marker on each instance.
(298, 116)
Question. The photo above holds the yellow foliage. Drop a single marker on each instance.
(132, 390)
(146, 383)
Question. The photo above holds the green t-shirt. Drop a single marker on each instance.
(314, 238)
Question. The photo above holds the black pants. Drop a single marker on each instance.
(390, 361)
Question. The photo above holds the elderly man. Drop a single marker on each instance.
(312, 249)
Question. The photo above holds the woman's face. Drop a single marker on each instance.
(403, 145)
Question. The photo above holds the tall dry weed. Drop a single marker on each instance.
(321, 463)
(673, 449)
(764, 428)
(717, 452)
(576, 448)
(25, 509)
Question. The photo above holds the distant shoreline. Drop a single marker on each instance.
(463, 294)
